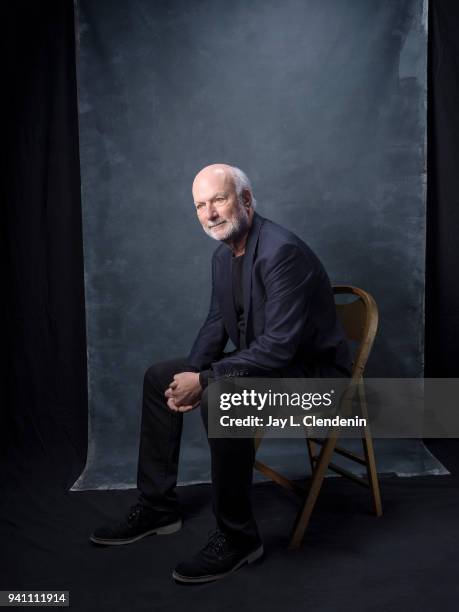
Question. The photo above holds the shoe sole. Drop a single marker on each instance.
(253, 556)
(164, 530)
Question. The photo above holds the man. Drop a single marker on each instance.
(271, 296)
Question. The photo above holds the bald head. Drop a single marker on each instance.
(215, 172)
(229, 176)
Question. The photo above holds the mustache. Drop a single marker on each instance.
(215, 224)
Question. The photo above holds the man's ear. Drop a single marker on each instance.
(247, 198)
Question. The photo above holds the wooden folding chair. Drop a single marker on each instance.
(359, 319)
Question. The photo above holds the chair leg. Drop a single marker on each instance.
(368, 449)
(312, 453)
(371, 471)
(318, 476)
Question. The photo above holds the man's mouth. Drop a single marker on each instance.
(216, 225)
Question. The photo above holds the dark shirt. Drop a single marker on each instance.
(238, 298)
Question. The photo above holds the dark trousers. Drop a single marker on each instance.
(231, 459)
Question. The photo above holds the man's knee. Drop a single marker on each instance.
(152, 376)
(160, 374)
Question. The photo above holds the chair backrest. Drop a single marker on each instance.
(359, 319)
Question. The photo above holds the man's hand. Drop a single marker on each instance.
(184, 392)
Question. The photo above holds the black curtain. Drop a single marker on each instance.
(442, 256)
(44, 390)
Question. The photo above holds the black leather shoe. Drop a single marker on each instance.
(140, 522)
(217, 559)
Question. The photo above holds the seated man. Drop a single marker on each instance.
(271, 296)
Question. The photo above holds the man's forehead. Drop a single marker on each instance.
(207, 184)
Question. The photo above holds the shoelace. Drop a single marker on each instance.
(134, 513)
(217, 542)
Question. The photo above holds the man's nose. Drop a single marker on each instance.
(211, 210)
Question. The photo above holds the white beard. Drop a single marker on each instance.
(234, 228)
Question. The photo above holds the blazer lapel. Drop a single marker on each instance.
(247, 266)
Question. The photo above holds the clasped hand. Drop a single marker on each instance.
(184, 392)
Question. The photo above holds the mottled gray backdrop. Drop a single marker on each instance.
(322, 102)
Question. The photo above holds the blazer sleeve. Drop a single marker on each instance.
(212, 337)
(290, 279)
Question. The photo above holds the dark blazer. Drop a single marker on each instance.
(290, 317)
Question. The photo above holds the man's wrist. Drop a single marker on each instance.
(204, 377)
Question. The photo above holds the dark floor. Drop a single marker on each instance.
(350, 560)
